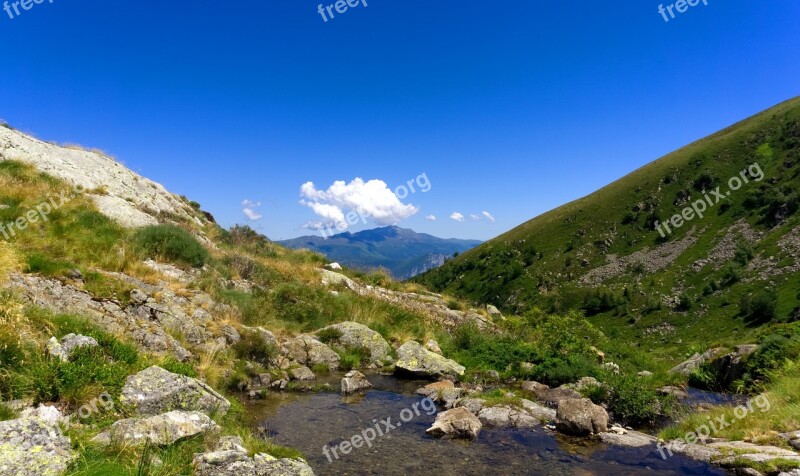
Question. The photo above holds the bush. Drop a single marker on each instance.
(326, 336)
(353, 358)
(633, 400)
(171, 243)
(760, 308)
(773, 353)
(254, 348)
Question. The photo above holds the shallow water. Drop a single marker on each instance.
(309, 422)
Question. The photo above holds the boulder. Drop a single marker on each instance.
(302, 373)
(537, 411)
(355, 336)
(676, 392)
(34, 445)
(63, 349)
(354, 381)
(233, 462)
(154, 391)
(161, 430)
(433, 346)
(628, 439)
(506, 416)
(550, 396)
(493, 312)
(456, 423)
(309, 351)
(444, 392)
(474, 405)
(415, 360)
(731, 367)
(581, 417)
(694, 362)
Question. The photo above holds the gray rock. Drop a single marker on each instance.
(645, 374)
(581, 417)
(541, 413)
(62, 350)
(354, 381)
(139, 297)
(415, 360)
(474, 405)
(161, 430)
(732, 366)
(444, 392)
(236, 463)
(550, 396)
(230, 443)
(309, 351)
(154, 391)
(433, 346)
(456, 423)
(355, 335)
(694, 362)
(33, 445)
(506, 416)
(676, 392)
(629, 439)
(302, 373)
(494, 313)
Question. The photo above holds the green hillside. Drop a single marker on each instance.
(715, 280)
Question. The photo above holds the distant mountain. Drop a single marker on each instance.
(403, 252)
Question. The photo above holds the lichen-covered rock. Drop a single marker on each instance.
(550, 396)
(355, 336)
(444, 392)
(413, 359)
(456, 423)
(154, 391)
(308, 350)
(581, 417)
(161, 430)
(506, 416)
(354, 381)
(62, 350)
(33, 445)
(237, 463)
(302, 373)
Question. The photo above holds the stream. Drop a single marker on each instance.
(311, 421)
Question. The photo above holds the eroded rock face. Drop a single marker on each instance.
(354, 381)
(33, 445)
(154, 391)
(308, 350)
(581, 417)
(731, 367)
(63, 349)
(413, 359)
(161, 430)
(456, 423)
(355, 335)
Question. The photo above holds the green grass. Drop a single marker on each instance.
(171, 243)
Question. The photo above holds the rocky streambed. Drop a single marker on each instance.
(326, 426)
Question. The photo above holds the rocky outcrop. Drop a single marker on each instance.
(413, 359)
(358, 336)
(456, 423)
(581, 417)
(354, 381)
(230, 458)
(731, 367)
(695, 361)
(432, 306)
(308, 350)
(628, 438)
(154, 391)
(63, 349)
(302, 373)
(33, 445)
(126, 196)
(474, 405)
(160, 430)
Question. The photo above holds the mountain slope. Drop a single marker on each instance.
(604, 254)
(403, 252)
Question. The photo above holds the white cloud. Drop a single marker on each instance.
(372, 199)
(457, 216)
(431, 217)
(476, 217)
(489, 216)
(248, 208)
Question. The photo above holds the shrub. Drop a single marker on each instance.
(633, 399)
(353, 358)
(254, 348)
(172, 243)
(327, 336)
(773, 353)
(760, 308)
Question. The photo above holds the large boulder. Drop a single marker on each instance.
(731, 367)
(161, 430)
(506, 416)
(444, 392)
(63, 349)
(354, 381)
(415, 360)
(456, 423)
(695, 361)
(154, 391)
(33, 445)
(309, 351)
(354, 336)
(581, 417)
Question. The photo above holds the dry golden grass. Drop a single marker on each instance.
(9, 261)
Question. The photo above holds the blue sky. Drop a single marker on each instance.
(508, 107)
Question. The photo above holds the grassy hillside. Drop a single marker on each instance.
(715, 280)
